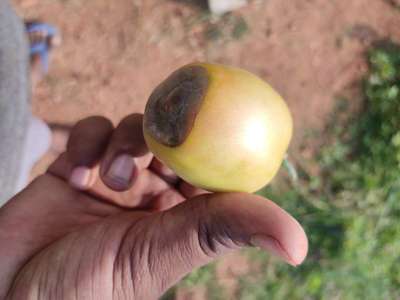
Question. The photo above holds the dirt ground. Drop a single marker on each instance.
(115, 52)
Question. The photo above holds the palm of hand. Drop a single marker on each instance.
(123, 241)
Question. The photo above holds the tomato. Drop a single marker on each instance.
(219, 128)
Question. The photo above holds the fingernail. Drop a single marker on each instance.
(121, 171)
(80, 178)
(272, 246)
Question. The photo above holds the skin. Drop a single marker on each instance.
(233, 129)
(90, 229)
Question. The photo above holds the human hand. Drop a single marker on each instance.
(108, 221)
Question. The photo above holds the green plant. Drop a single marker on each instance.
(201, 276)
(240, 28)
(227, 28)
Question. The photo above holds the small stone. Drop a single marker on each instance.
(219, 7)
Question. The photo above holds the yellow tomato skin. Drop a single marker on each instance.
(239, 137)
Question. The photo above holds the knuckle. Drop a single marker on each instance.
(215, 231)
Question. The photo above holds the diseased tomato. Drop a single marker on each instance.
(219, 128)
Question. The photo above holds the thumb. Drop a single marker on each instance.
(203, 228)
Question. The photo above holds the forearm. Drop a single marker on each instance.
(14, 97)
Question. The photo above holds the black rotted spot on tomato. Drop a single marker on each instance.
(173, 106)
